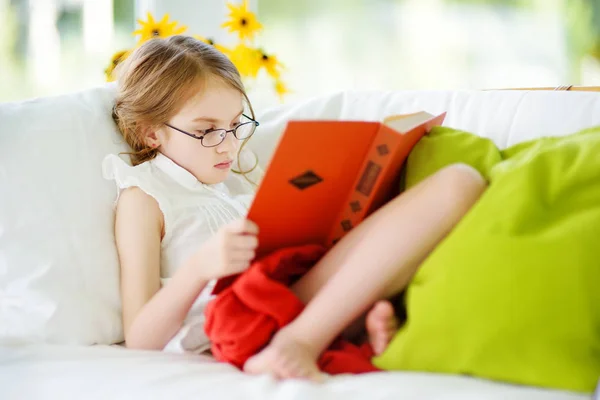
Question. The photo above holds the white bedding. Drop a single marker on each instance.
(61, 287)
(102, 372)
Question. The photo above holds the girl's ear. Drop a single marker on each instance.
(151, 137)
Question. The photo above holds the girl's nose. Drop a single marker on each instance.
(229, 144)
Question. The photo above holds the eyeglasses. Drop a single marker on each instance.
(214, 137)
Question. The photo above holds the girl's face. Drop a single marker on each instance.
(216, 106)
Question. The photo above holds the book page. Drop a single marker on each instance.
(405, 122)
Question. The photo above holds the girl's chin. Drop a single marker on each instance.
(217, 177)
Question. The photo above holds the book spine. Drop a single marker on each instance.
(358, 203)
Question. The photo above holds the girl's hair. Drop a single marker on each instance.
(156, 80)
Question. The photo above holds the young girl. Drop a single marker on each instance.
(180, 217)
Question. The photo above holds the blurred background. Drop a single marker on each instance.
(55, 46)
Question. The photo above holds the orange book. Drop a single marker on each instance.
(325, 177)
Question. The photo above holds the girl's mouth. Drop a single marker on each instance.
(224, 165)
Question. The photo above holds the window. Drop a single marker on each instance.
(53, 46)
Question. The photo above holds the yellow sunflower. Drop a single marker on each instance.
(210, 41)
(281, 89)
(246, 59)
(271, 64)
(116, 59)
(242, 21)
(150, 29)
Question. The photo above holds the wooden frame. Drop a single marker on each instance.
(570, 88)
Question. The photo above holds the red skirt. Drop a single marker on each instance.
(244, 317)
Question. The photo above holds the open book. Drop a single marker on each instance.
(325, 177)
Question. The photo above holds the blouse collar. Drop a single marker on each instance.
(179, 174)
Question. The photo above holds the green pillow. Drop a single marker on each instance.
(443, 146)
(513, 293)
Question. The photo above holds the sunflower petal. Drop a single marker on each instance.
(232, 8)
(281, 89)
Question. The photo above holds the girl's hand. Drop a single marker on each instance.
(229, 252)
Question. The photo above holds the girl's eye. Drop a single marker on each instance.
(205, 131)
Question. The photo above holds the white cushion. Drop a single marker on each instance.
(59, 280)
(506, 117)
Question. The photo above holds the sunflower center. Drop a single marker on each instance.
(243, 21)
(265, 57)
(210, 41)
(155, 32)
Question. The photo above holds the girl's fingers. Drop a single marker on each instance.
(243, 226)
(239, 266)
(250, 227)
(244, 242)
(242, 255)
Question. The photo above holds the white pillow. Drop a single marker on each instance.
(506, 117)
(59, 280)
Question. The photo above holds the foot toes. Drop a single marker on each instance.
(380, 345)
(249, 366)
(296, 370)
(382, 312)
(381, 317)
(284, 359)
(382, 324)
(313, 373)
(385, 307)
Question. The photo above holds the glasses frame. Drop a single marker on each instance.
(234, 130)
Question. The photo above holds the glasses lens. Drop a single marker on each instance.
(213, 138)
(245, 130)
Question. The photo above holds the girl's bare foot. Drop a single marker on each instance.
(285, 357)
(381, 325)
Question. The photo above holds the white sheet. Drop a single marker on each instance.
(102, 372)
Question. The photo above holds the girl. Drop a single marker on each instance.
(182, 108)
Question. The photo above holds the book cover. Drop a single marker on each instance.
(325, 177)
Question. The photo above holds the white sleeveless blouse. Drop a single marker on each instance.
(193, 212)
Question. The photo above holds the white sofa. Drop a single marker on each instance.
(59, 298)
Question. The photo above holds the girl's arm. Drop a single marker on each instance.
(151, 315)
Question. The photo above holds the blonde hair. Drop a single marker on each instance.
(158, 78)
